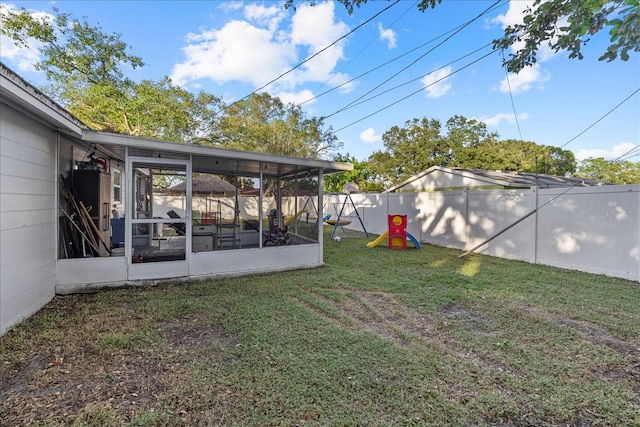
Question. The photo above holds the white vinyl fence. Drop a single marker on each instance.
(591, 229)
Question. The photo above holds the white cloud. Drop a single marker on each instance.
(229, 6)
(498, 118)
(615, 152)
(238, 51)
(437, 84)
(514, 14)
(271, 17)
(260, 48)
(314, 27)
(22, 58)
(296, 97)
(524, 80)
(389, 35)
(369, 136)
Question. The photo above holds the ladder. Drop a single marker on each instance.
(227, 233)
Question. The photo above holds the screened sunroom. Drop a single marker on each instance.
(167, 210)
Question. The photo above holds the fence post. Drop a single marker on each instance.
(466, 217)
(535, 226)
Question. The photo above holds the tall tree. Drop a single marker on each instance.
(556, 161)
(73, 52)
(420, 144)
(409, 150)
(265, 124)
(148, 109)
(569, 24)
(465, 138)
(509, 155)
(617, 172)
(361, 175)
(519, 156)
(563, 25)
(84, 66)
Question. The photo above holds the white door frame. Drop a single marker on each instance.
(163, 269)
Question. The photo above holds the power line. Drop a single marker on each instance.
(513, 105)
(313, 56)
(630, 154)
(417, 91)
(411, 6)
(627, 153)
(417, 78)
(601, 118)
(382, 65)
(466, 24)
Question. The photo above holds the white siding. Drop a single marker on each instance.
(27, 217)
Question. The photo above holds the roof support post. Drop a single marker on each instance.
(260, 202)
(320, 213)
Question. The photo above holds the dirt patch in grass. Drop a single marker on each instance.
(474, 322)
(190, 335)
(598, 335)
(383, 315)
(589, 331)
(48, 388)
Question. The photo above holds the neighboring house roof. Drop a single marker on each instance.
(439, 178)
(21, 95)
(206, 184)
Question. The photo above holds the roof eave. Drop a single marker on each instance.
(106, 139)
(17, 92)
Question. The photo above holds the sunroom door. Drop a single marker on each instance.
(158, 222)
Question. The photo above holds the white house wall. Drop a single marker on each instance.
(27, 216)
(83, 274)
(90, 274)
(251, 261)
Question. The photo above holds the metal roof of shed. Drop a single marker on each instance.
(506, 179)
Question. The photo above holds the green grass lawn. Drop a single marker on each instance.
(376, 337)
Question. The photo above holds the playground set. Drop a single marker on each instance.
(396, 235)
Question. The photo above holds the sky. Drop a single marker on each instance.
(380, 67)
